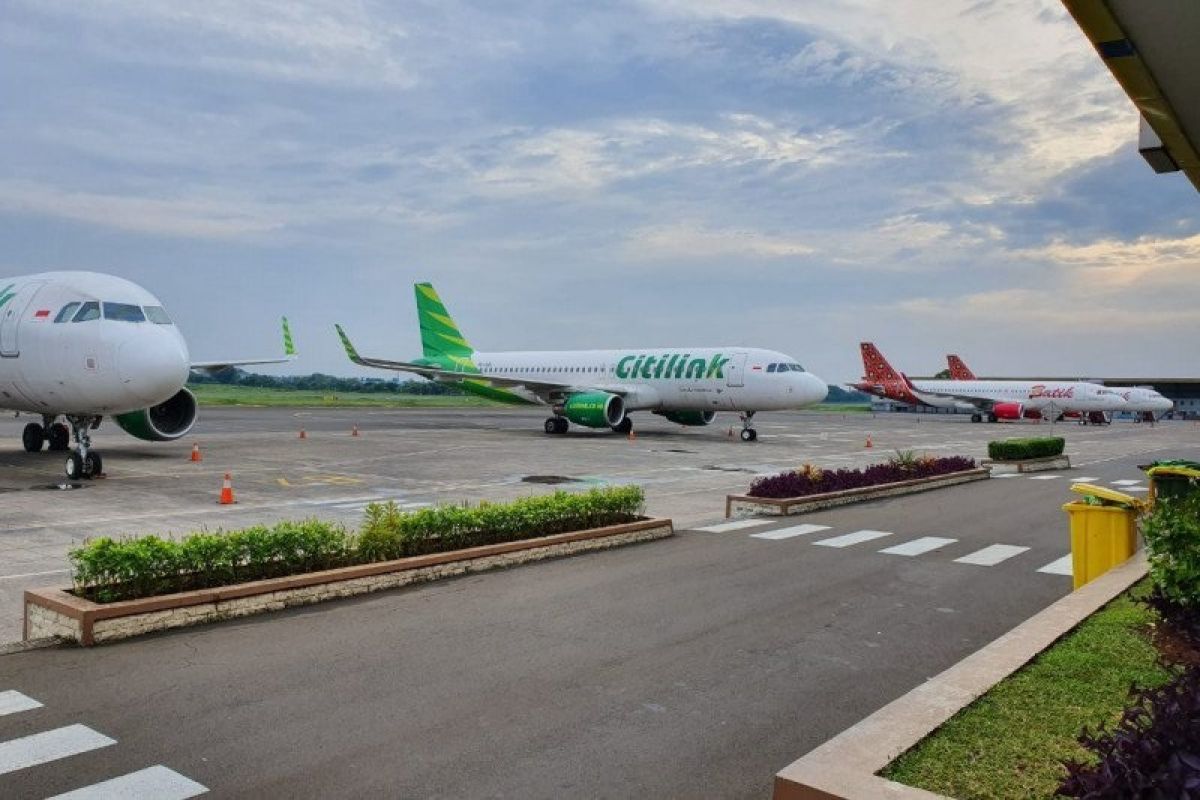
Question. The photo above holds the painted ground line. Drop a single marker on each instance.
(1059, 566)
(853, 538)
(1137, 488)
(1044, 477)
(40, 748)
(157, 782)
(1084, 480)
(992, 555)
(1126, 482)
(736, 525)
(1007, 475)
(918, 546)
(34, 574)
(787, 533)
(14, 702)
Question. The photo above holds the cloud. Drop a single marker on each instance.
(696, 243)
(1117, 264)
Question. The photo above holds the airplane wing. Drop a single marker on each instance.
(981, 403)
(544, 389)
(289, 354)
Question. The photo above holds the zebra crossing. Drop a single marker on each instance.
(156, 782)
(989, 556)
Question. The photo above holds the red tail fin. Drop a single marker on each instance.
(875, 366)
(959, 371)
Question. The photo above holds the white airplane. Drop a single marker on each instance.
(995, 400)
(598, 388)
(83, 346)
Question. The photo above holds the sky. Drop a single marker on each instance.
(934, 176)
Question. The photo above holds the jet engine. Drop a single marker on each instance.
(690, 418)
(161, 423)
(594, 409)
(1008, 410)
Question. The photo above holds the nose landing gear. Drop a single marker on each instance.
(748, 432)
(84, 462)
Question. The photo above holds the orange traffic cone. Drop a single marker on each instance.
(632, 434)
(303, 435)
(196, 452)
(354, 431)
(227, 491)
(868, 445)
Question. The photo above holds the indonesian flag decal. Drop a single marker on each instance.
(41, 315)
(757, 367)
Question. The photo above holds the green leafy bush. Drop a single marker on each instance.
(1172, 532)
(1024, 449)
(107, 569)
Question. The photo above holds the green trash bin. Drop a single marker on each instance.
(1173, 479)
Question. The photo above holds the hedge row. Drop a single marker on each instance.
(811, 480)
(1024, 449)
(106, 569)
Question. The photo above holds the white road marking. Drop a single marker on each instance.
(14, 702)
(1137, 488)
(1007, 475)
(1126, 482)
(1060, 566)
(1084, 480)
(34, 574)
(918, 546)
(992, 555)
(853, 538)
(787, 533)
(40, 748)
(1044, 477)
(736, 525)
(155, 782)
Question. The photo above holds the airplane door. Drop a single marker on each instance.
(11, 314)
(735, 370)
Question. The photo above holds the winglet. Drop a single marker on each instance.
(289, 345)
(351, 353)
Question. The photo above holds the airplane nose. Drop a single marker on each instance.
(815, 389)
(153, 365)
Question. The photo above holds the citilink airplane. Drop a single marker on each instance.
(85, 345)
(598, 388)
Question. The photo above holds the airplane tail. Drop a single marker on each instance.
(959, 371)
(875, 366)
(440, 336)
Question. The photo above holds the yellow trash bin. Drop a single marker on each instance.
(1103, 531)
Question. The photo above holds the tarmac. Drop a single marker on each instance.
(694, 666)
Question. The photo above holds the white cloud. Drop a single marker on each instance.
(1113, 263)
(697, 243)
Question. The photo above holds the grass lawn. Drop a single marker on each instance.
(1010, 743)
(841, 408)
(209, 394)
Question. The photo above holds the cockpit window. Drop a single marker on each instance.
(123, 312)
(771, 367)
(87, 312)
(66, 312)
(791, 367)
(157, 315)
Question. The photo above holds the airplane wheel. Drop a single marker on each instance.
(33, 437)
(624, 426)
(552, 425)
(74, 467)
(749, 435)
(976, 418)
(93, 465)
(992, 417)
(59, 437)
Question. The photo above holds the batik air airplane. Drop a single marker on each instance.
(1139, 399)
(991, 399)
(598, 388)
(81, 346)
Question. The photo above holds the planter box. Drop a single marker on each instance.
(740, 505)
(58, 613)
(1029, 465)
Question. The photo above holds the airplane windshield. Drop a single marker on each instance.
(66, 312)
(123, 312)
(87, 312)
(157, 315)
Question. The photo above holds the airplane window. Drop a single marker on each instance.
(66, 312)
(87, 312)
(157, 315)
(770, 367)
(123, 312)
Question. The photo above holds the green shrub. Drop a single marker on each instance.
(1172, 532)
(107, 569)
(1023, 449)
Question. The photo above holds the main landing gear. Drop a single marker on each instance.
(748, 432)
(84, 462)
(991, 417)
(557, 425)
(49, 432)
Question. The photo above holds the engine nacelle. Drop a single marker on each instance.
(594, 409)
(164, 422)
(690, 418)
(1008, 410)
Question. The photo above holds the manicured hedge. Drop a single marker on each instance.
(811, 480)
(1025, 449)
(106, 569)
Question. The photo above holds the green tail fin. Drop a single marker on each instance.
(289, 345)
(440, 336)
